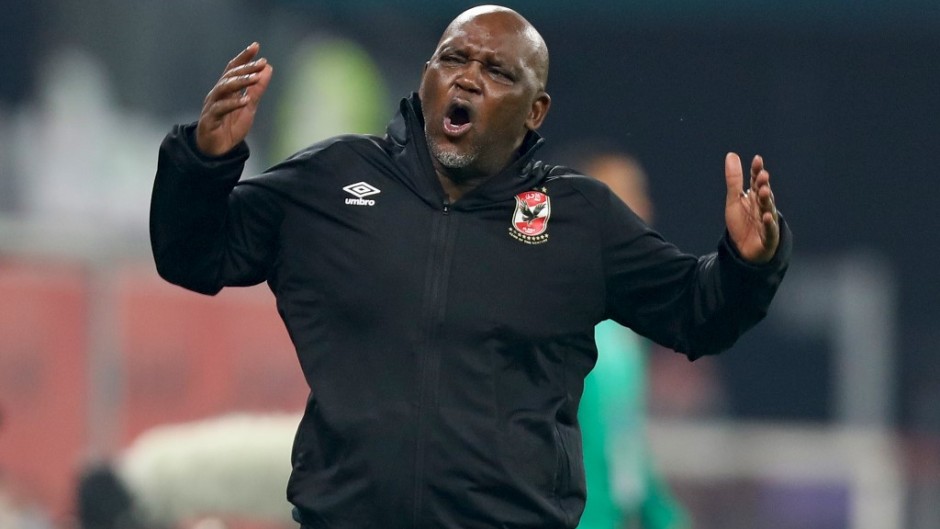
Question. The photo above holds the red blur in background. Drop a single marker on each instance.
(88, 362)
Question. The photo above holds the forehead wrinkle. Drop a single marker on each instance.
(491, 56)
(535, 55)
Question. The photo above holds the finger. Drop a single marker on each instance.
(255, 90)
(771, 230)
(734, 176)
(765, 201)
(248, 68)
(245, 56)
(227, 87)
(757, 165)
(219, 109)
(764, 193)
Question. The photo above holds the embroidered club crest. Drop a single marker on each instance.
(530, 219)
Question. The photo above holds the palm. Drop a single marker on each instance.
(751, 216)
(234, 126)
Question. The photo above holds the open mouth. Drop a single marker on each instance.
(458, 119)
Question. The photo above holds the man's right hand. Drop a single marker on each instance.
(229, 109)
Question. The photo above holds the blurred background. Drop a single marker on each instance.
(827, 416)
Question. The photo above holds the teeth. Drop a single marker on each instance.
(452, 127)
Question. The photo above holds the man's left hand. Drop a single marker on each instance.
(751, 216)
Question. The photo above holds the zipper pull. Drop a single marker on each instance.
(446, 207)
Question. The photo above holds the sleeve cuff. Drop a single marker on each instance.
(186, 135)
(779, 261)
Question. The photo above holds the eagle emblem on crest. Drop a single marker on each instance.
(530, 218)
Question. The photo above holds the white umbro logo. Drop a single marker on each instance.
(360, 190)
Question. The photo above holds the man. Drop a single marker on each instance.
(441, 286)
(625, 490)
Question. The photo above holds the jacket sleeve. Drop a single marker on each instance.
(693, 305)
(206, 232)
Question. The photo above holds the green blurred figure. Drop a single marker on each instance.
(625, 491)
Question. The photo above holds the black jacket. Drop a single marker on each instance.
(445, 345)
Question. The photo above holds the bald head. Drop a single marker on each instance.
(533, 46)
(482, 92)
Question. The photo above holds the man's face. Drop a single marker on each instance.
(625, 177)
(481, 93)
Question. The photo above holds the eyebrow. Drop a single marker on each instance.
(493, 58)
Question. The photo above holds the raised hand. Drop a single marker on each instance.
(751, 216)
(229, 108)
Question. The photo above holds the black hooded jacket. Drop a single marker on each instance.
(445, 345)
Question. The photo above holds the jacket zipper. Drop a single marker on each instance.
(437, 275)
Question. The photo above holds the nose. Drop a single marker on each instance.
(468, 78)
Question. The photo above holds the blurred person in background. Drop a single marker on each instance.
(441, 285)
(625, 490)
(229, 469)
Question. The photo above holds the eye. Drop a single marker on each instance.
(451, 58)
(501, 75)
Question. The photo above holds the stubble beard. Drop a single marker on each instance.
(450, 158)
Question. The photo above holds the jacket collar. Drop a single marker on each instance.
(406, 133)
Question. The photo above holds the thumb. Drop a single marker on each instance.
(734, 176)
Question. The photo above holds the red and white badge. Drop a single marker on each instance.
(530, 219)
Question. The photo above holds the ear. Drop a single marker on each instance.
(538, 111)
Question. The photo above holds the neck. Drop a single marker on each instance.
(457, 183)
